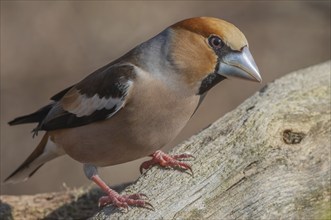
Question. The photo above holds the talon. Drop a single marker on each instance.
(143, 196)
(146, 165)
(192, 174)
(186, 167)
(149, 206)
(191, 171)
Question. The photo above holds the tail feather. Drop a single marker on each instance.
(37, 116)
(44, 152)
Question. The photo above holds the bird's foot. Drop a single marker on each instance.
(119, 201)
(165, 160)
(124, 201)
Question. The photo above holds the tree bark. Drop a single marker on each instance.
(267, 159)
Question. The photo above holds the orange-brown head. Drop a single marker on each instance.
(206, 50)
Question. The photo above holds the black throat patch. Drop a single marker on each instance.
(210, 81)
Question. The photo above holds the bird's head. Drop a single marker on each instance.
(207, 50)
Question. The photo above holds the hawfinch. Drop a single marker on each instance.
(138, 103)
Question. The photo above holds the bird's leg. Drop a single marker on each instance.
(165, 160)
(120, 201)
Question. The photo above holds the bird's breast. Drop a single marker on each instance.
(151, 118)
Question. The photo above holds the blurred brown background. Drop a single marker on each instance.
(47, 46)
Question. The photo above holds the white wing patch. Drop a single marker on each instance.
(85, 106)
(89, 105)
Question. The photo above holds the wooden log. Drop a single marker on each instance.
(267, 159)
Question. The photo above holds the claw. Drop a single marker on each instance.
(143, 196)
(187, 168)
(149, 206)
(146, 165)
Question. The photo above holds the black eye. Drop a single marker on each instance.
(215, 42)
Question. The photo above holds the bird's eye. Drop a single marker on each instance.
(215, 42)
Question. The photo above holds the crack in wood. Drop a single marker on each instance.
(236, 183)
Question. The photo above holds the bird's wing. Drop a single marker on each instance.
(97, 97)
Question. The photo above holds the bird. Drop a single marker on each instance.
(138, 103)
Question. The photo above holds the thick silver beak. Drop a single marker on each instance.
(239, 64)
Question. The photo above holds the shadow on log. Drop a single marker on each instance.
(267, 159)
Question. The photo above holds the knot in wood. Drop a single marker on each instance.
(291, 137)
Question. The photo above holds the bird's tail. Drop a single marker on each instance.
(37, 116)
(45, 151)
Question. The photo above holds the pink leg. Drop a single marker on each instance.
(165, 160)
(118, 200)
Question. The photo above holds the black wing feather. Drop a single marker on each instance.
(59, 95)
(109, 83)
(37, 116)
(69, 120)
